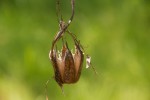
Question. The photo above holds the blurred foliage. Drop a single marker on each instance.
(115, 33)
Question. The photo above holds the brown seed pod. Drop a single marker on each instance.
(67, 66)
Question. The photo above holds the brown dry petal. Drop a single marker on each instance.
(78, 60)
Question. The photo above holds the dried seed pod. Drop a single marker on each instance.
(67, 66)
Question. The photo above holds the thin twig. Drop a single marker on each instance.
(72, 15)
(46, 88)
(65, 27)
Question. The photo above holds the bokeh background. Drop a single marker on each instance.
(115, 33)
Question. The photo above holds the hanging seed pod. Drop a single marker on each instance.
(67, 66)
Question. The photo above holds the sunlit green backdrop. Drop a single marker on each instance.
(115, 33)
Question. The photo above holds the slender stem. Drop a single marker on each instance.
(63, 29)
(72, 15)
(58, 11)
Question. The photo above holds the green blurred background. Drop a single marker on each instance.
(115, 33)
